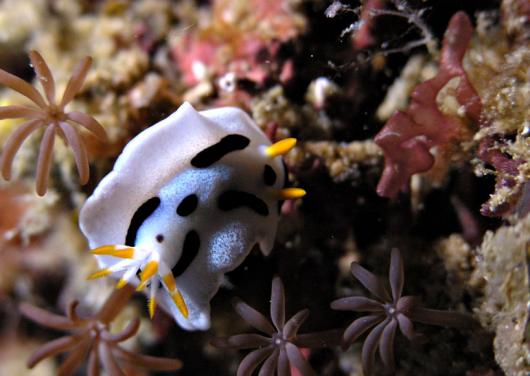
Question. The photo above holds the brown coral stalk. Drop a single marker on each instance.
(115, 303)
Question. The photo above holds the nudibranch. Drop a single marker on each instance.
(186, 201)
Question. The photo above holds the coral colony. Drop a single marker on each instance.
(92, 338)
(177, 205)
(136, 232)
(51, 115)
(279, 350)
(387, 313)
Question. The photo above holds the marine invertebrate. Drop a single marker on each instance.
(212, 186)
(409, 136)
(387, 313)
(92, 337)
(279, 350)
(49, 114)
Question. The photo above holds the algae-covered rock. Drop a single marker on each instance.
(503, 265)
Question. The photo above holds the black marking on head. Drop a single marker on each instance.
(269, 176)
(231, 200)
(160, 238)
(190, 248)
(187, 205)
(143, 212)
(212, 154)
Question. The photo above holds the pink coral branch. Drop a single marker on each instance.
(409, 135)
(507, 172)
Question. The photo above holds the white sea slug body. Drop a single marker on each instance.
(185, 203)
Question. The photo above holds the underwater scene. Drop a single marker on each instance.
(265, 187)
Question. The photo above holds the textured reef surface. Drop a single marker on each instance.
(410, 252)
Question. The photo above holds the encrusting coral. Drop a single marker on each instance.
(49, 114)
(92, 337)
(502, 80)
(280, 349)
(387, 313)
(238, 35)
(503, 267)
(461, 133)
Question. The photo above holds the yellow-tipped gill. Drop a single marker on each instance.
(121, 283)
(169, 281)
(176, 296)
(178, 299)
(115, 251)
(150, 270)
(151, 306)
(99, 274)
(280, 148)
(291, 193)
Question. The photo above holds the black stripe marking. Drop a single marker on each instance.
(212, 154)
(231, 200)
(269, 176)
(285, 182)
(285, 174)
(144, 211)
(188, 205)
(190, 248)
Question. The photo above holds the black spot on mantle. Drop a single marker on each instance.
(143, 212)
(212, 154)
(231, 200)
(190, 248)
(269, 176)
(188, 205)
